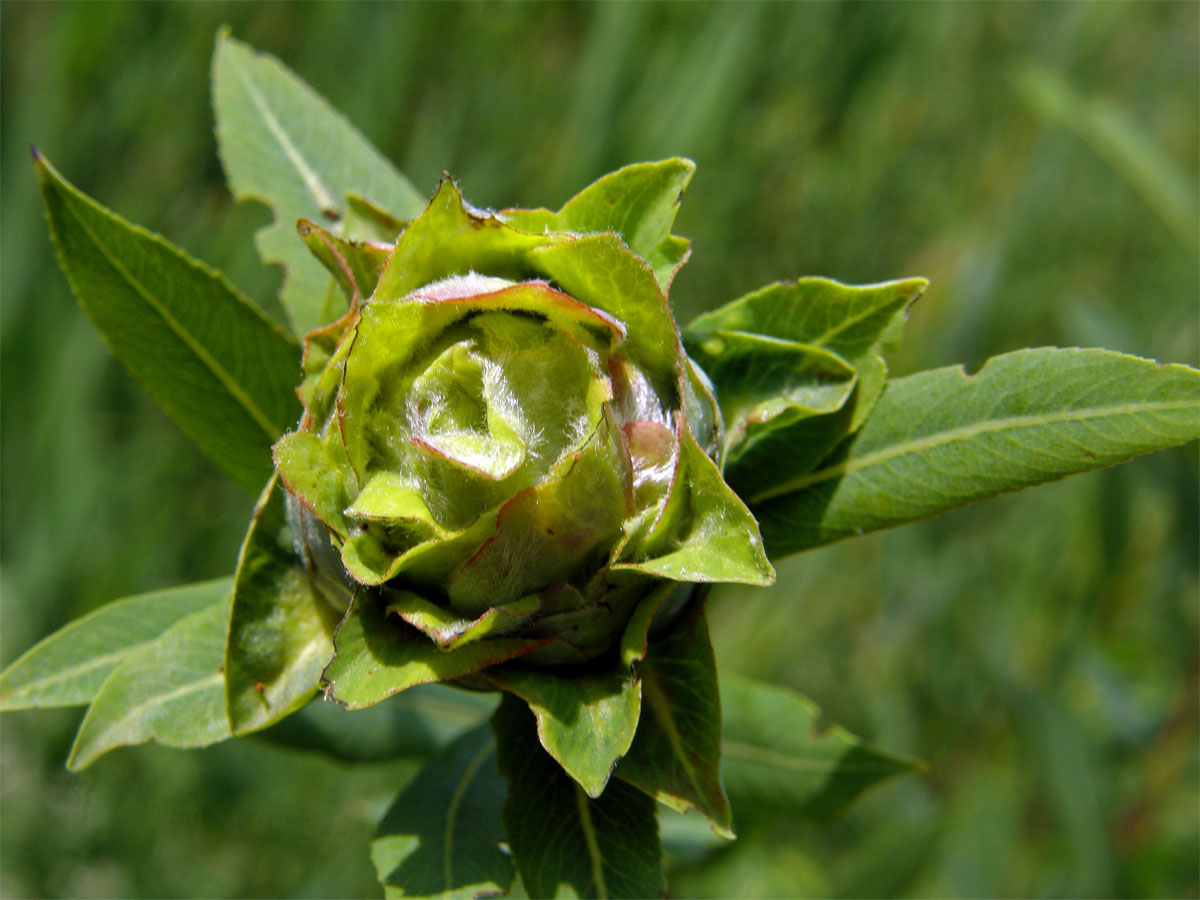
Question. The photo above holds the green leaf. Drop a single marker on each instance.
(442, 835)
(170, 690)
(285, 146)
(355, 265)
(222, 370)
(600, 271)
(785, 401)
(280, 627)
(452, 238)
(704, 533)
(68, 667)
(774, 758)
(586, 722)
(638, 202)
(943, 438)
(377, 656)
(564, 843)
(676, 755)
(416, 723)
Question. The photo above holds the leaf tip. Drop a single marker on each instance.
(37, 154)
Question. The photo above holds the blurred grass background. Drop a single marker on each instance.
(1038, 162)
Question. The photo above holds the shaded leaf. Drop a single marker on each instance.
(441, 837)
(415, 723)
(170, 690)
(222, 370)
(564, 842)
(942, 438)
(676, 755)
(68, 667)
(280, 627)
(285, 146)
(773, 756)
(377, 656)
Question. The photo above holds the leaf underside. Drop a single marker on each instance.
(282, 144)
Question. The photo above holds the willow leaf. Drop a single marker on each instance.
(218, 366)
(942, 438)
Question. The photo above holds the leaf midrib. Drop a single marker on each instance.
(219, 372)
(652, 692)
(312, 181)
(962, 433)
(752, 753)
(157, 700)
(460, 789)
(593, 846)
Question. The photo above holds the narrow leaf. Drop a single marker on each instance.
(942, 438)
(586, 722)
(210, 358)
(775, 759)
(170, 690)
(676, 756)
(69, 666)
(442, 835)
(281, 625)
(563, 841)
(285, 146)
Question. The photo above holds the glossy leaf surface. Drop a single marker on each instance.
(285, 146)
(170, 690)
(565, 843)
(774, 756)
(942, 438)
(222, 370)
(676, 755)
(441, 837)
(280, 627)
(69, 666)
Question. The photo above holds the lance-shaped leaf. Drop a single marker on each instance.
(210, 358)
(638, 202)
(676, 755)
(942, 438)
(774, 757)
(768, 355)
(376, 655)
(170, 690)
(285, 146)
(415, 724)
(280, 627)
(563, 842)
(69, 666)
(441, 837)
